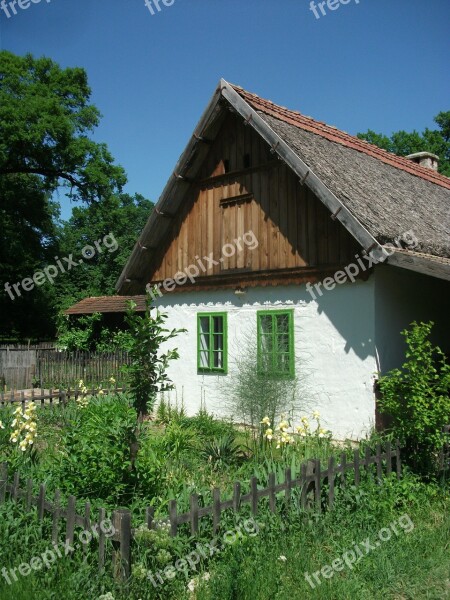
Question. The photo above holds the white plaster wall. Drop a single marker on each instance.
(334, 343)
(403, 296)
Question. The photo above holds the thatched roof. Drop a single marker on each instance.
(376, 195)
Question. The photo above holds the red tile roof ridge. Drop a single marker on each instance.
(338, 136)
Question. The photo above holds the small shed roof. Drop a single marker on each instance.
(106, 304)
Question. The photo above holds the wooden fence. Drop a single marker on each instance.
(50, 397)
(316, 487)
(24, 367)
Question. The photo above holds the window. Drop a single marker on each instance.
(212, 342)
(276, 343)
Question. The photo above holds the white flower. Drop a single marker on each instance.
(282, 558)
(192, 585)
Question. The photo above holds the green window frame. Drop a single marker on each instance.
(212, 342)
(275, 332)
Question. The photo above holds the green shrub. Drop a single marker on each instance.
(417, 397)
(209, 427)
(96, 460)
(250, 395)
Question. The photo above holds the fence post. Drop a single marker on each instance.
(317, 485)
(331, 481)
(173, 518)
(15, 487)
(56, 515)
(236, 496)
(288, 483)
(216, 509)
(41, 502)
(29, 494)
(303, 485)
(398, 461)
(379, 465)
(70, 517)
(254, 495)
(272, 502)
(122, 550)
(388, 459)
(194, 513)
(3, 481)
(101, 539)
(367, 459)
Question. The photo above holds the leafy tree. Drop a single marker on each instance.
(45, 122)
(403, 143)
(121, 216)
(417, 397)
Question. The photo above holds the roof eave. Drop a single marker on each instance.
(179, 184)
(412, 261)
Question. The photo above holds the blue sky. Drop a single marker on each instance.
(379, 64)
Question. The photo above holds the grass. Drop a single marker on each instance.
(412, 565)
(81, 449)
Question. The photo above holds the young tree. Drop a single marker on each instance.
(148, 368)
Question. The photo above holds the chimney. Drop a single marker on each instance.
(425, 159)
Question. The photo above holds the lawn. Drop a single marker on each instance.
(388, 541)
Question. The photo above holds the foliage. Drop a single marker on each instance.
(223, 451)
(409, 565)
(45, 122)
(208, 427)
(121, 215)
(148, 368)
(85, 451)
(96, 461)
(89, 333)
(417, 397)
(403, 143)
(178, 441)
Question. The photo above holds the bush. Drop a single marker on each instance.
(96, 460)
(250, 395)
(417, 397)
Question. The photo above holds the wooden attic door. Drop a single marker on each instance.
(233, 228)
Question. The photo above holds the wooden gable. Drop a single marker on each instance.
(243, 187)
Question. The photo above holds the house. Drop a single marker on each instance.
(319, 246)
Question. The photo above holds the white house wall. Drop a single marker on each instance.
(403, 296)
(334, 344)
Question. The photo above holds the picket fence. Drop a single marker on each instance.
(310, 482)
